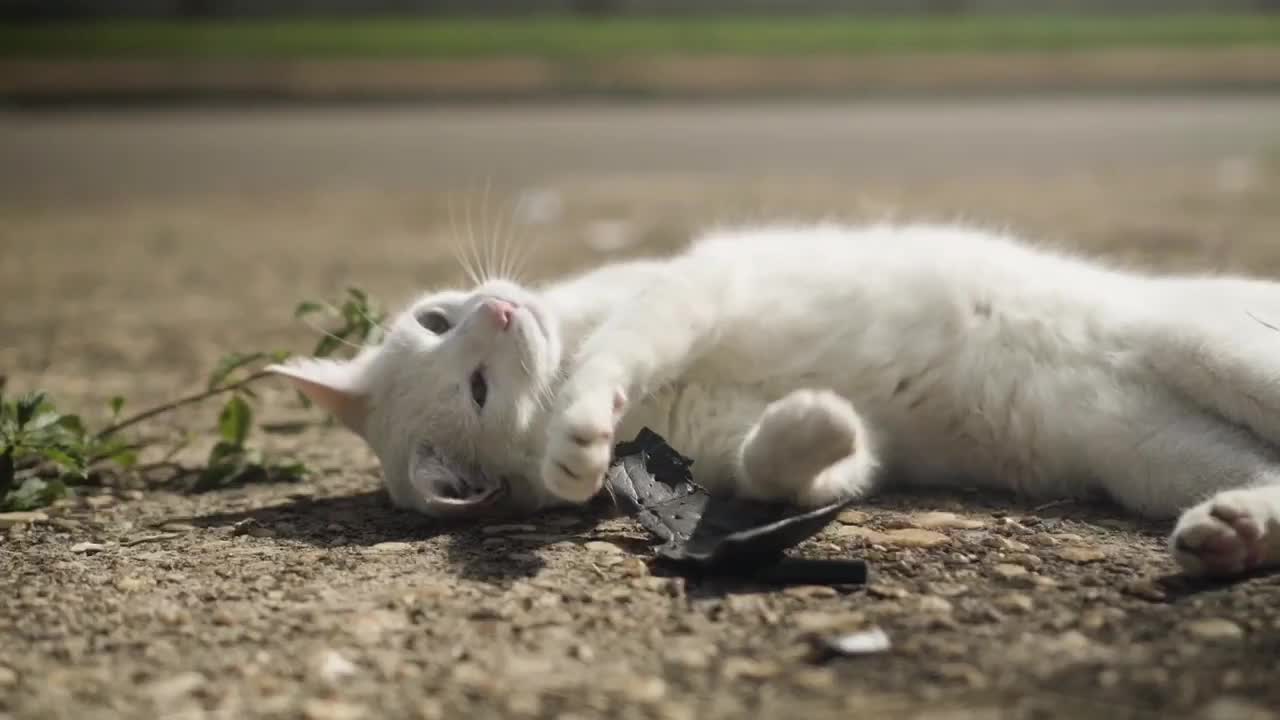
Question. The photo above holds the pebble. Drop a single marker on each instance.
(1081, 554)
(887, 591)
(1213, 629)
(66, 524)
(865, 642)
(11, 519)
(810, 592)
(740, 667)
(171, 689)
(947, 590)
(130, 583)
(945, 521)
(852, 517)
(1008, 570)
(88, 547)
(389, 547)
(331, 667)
(689, 654)
(504, 529)
(1015, 602)
(821, 622)
(8, 677)
(934, 604)
(1027, 560)
(602, 547)
(912, 537)
(1012, 545)
(317, 709)
(1146, 590)
(99, 501)
(178, 527)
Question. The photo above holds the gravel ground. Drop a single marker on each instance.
(317, 600)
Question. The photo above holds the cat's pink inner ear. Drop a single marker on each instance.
(333, 385)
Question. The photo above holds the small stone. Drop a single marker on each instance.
(389, 547)
(602, 547)
(887, 591)
(99, 501)
(1147, 590)
(643, 690)
(13, 519)
(912, 537)
(8, 677)
(88, 547)
(178, 527)
(962, 673)
(1068, 538)
(332, 667)
(1214, 629)
(318, 709)
(865, 642)
(947, 590)
(1043, 540)
(945, 521)
(66, 524)
(821, 622)
(810, 592)
(1011, 545)
(1008, 570)
(1027, 560)
(818, 679)
(130, 583)
(689, 654)
(934, 604)
(132, 495)
(872, 537)
(1081, 554)
(172, 689)
(1015, 602)
(740, 667)
(504, 529)
(852, 517)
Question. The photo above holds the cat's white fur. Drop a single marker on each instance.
(805, 363)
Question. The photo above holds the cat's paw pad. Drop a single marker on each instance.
(1225, 535)
(796, 439)
(580, 445)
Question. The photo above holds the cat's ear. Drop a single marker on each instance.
(337, 386)
(449, 490)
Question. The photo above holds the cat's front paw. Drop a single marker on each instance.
(580, 443)
(1233, 532)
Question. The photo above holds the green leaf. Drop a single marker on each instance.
(308, 307)
(72, 424)
(28, 405)
(235, 421)
(44, 420)
(33, 493)
(117, 404)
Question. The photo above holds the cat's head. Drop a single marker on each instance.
(451, 400)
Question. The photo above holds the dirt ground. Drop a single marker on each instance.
(317, 600)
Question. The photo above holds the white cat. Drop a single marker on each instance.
(801, 363)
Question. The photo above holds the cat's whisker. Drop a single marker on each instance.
(456, 248)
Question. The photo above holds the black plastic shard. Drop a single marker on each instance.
(719, 535)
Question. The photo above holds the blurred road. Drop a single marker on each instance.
(104, 155)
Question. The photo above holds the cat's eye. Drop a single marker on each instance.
(479, 388)
(434, 321)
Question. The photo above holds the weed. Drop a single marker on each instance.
(44, 452)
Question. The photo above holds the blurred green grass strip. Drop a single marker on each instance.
(574, 38)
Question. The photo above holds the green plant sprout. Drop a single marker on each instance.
(45, 453)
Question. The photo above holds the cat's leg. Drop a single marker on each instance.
(1234, 531)
(1164, 459)
(1223, 356)
(810, 448)
(645, 345)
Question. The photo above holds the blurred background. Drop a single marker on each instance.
(176, 174)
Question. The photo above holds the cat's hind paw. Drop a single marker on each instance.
(807, 448)
(1233, 532)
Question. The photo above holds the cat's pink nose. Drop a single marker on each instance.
(502, 311)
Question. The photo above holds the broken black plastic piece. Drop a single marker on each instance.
(709, 535)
